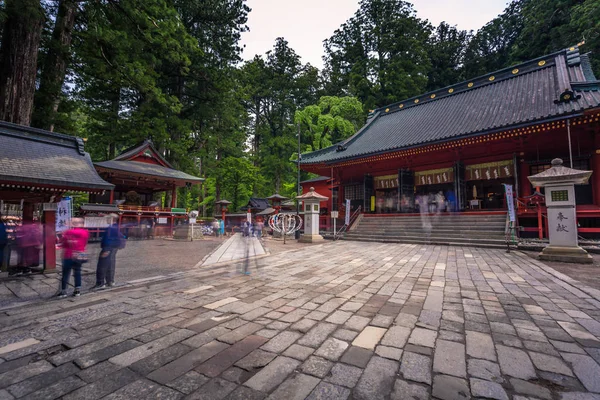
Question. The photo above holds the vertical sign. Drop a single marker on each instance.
(510, 202)
(347, 221)
(63, 215)
(249, 217)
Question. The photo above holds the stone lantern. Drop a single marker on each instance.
(276, 200)
(312, 202)
(559, 183)
(223, 203)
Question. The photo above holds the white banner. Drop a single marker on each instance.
(510, 202)
(249, 217)
(347, 221)
(63, 215)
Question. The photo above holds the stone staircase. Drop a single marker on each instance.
(461, 229)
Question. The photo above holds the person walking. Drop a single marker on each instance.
(216, 228)
(73, 242)
(3, 241)
(112, 241)
(222, 227)
(259, 228)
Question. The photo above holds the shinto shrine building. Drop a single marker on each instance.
(143, 172)
(468, 139)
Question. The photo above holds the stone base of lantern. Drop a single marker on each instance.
(310, 238)
(566, 254)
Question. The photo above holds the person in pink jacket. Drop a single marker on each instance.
(74, 242)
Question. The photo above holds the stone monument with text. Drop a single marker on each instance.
(559, 184)
(312, 209)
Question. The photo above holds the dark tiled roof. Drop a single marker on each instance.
(522, 94)
(34, 156)
(256, 203)
(317, 179)
(100, 208)
(143, 168)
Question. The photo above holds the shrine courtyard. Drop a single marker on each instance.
(340, 320)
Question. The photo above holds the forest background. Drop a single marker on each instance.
(116, 72)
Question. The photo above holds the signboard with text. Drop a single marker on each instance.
(63, 215)
(347, 221)
(510, 202)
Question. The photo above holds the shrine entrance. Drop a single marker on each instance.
(485, 190)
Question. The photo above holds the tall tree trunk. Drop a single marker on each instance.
(114, 129)
(55, 67)
(18, 59)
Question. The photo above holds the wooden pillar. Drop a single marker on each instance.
(174, 197)
(596, 174)
(524, 184)
(49, 226)
(112, 196)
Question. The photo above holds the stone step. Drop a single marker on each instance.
(441, 219)
(492, 243)
(447, 227)
(436, 232)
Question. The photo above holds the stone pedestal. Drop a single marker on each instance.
(559, 184)
(184, 232)
(566, 254)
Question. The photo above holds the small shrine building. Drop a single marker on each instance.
(142, 171)
(466, 140)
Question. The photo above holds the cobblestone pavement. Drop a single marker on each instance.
(341, 320)
(140, 259)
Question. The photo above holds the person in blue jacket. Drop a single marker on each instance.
(222, 227)
(112, 241)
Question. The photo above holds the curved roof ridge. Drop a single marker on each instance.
(502, 72)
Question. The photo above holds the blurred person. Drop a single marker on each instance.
(112, 241)
(451, 200)
(440, 202)
(246, 228)
(259, 228)
(73, 242)
(423, 210)
(216, 228)
(380, 203)
(222, 227)
(3, 240)
(29, 242)
(389, 204)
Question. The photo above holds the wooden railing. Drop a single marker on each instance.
(144, 209)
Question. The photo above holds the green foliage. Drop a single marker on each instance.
(332, 120)
(380, 54)
(446, 49)
(171, 71)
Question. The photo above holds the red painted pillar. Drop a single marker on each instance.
(174, 197)
(524, 184)
(112, 196)
(49, 240)
(596, 177)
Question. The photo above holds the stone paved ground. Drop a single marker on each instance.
(343, 320)
(140, 259)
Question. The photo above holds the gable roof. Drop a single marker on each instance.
(127, 162)
(145, 148)
(547, 87)
(38, 157)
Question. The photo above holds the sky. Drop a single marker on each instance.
(306, 23)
